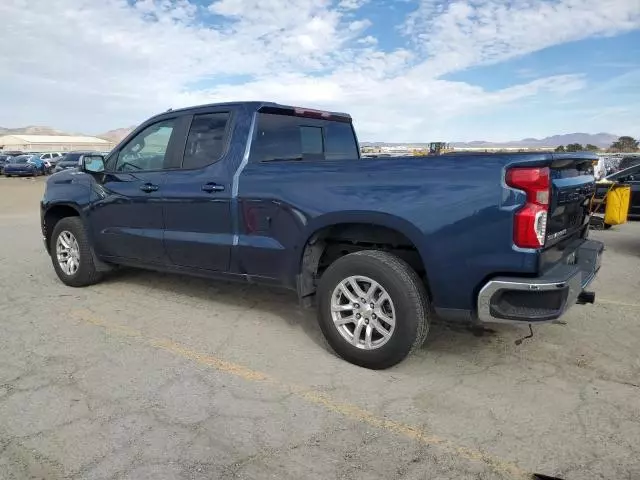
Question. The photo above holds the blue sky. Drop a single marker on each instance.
(407, 70)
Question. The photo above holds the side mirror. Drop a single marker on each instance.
(92, 163)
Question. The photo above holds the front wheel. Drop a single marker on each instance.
(71, 254)
(372, 309)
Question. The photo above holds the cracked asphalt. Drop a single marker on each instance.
(150, 376)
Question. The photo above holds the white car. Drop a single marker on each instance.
(50, 159)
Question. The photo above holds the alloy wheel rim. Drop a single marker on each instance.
(363, 312)
(68, 253)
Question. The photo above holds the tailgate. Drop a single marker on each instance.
(572, 185)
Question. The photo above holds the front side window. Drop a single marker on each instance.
(206, 140)
(147, 150)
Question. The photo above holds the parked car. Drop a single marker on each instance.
(628, 161)
(629, 176)
(5, 157)
(50, 159)
(43, 165)
(3, 160)
(21, 166)
(70, 160)
(273, 194)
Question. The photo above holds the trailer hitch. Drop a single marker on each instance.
(586, 297)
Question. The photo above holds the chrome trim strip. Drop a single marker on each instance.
(236, 176)
(245, 158)
(493, 286)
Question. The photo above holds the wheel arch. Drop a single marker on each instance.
(53, 214)
(384, 226)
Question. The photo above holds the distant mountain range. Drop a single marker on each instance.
(32, 130)
(116, 135)
(112, 135)
(602, 140)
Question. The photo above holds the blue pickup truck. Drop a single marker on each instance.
(274, 194)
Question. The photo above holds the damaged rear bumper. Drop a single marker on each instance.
(544, 298)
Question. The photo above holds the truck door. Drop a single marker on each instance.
(197, 196)
(127, 218)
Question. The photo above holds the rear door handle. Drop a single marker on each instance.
(149, 187)
(212, 187)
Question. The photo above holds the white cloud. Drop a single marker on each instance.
(464, 33)
(90, 65)
(351, 4)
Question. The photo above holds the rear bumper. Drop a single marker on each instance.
(540, 299)
(19, 172)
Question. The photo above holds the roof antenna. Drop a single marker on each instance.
(169, 109)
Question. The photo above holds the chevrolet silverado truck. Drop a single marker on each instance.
(273, 194)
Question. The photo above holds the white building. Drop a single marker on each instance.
(53, 143)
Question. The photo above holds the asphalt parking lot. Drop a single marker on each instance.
(149, 376)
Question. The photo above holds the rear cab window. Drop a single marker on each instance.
(284, 134)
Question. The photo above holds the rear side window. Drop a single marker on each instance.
(340, 141)
(285, 137)
(206, 140)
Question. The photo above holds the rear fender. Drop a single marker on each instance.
(317, 225)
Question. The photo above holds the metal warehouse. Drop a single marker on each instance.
(53, 143)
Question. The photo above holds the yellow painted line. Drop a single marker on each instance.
(616, 302)
(314, 397)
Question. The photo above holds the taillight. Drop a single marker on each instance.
(530, 222)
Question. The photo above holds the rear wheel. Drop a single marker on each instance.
(372, 309)
(71, 254)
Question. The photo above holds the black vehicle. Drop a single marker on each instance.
(630, 176)
(70, 160)
(628, 162)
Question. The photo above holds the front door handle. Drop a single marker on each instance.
(149, 187)
(212, 187)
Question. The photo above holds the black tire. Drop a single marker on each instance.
(407, 293)
(597, 223)
(86, 274)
